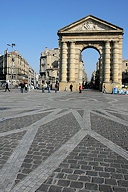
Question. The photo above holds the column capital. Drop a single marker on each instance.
(63, 42)
(116, 41)
(115, 44)
(72, 42)
(107, 43)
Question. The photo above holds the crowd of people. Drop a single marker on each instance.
(24, 87)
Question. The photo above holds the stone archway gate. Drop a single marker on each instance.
(90, 32)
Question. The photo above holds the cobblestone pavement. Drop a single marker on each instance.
(63, 142)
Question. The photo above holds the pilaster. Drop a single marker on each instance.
(115, 64)
(107, 62)
(80, 72)
(72, 62)
(64, 62)
(120, 62)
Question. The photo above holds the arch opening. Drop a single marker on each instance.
(90, 58)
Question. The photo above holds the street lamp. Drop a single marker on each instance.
(12, 45)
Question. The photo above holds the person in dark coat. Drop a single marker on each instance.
(56, 88)
(22, 87)
(6, 87)
(71, 86)
(42, 88)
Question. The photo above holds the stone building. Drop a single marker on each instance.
(83, 74)
(90, 32)
(14, 68)
(31, 77)
(49, 71)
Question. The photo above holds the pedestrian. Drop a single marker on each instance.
(26, 88)
(80, 88)
(104, 91)
(6, 87)
(42, 88)
(66, 89)
(71, 86)
(49, 88)
(56, 88)
(22, 87)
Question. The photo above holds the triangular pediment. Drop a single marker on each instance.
(90, 23)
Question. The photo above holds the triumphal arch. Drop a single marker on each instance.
(90, 32)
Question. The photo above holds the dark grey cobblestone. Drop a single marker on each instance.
(119, 189)
(124, 117)
(8, 144)
(90, 175)
(47, 140)
(111, 130)
(100, 112)
(20, 122)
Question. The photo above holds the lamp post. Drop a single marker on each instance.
(12, 45)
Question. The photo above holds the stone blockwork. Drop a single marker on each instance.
(90, 32)
(20, 122)
(47, 140)
(7, 145)
(90, 167)
(111, 130)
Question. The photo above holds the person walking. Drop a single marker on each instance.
(56, 87)
(6, 87)
(80, 88)
(71, 86)
(42, 88)
(104, 91)
(66, 89)
(22, 87)
(49, 88)
(26, 88)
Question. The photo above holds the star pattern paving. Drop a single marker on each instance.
(63, 142)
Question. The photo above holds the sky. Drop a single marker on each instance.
(33, 24)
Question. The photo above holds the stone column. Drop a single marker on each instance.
(107, 62)
(64, 62)
(101, 69)
(120, 62)
(80, 70)
(115, 64)
(77, 62)
(72, 62)
(60, 60)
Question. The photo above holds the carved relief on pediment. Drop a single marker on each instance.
(91, 25)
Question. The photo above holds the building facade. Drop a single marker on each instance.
(90, 32)
(49, 71)
(14, 68)
(125, 71)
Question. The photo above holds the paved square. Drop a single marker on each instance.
(63, 142)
